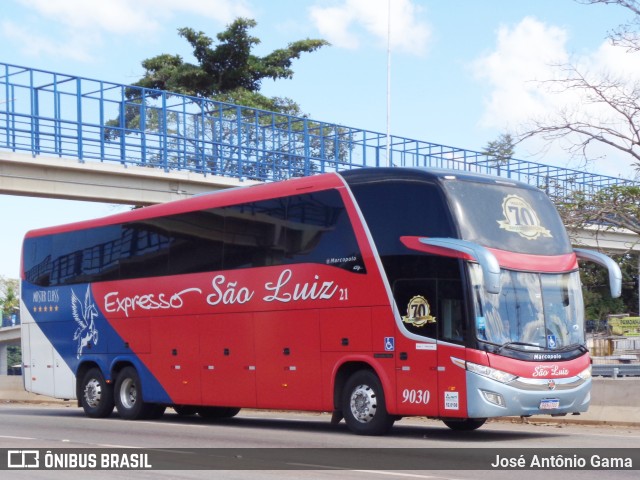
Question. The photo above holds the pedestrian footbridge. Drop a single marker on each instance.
(74, 137)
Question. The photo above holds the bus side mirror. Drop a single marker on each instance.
(456, 248)
(615, 275)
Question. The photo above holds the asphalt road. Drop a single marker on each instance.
(28, 426)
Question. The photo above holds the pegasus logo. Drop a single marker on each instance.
(84, 314)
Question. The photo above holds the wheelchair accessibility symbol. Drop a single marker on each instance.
(389, 344)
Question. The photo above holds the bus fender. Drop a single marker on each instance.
(367, 361)
(152, 389)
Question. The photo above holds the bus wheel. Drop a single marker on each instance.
(363, 405)
(218, 412)
(185, 410)
(465, 424)
(96, 395)
(128, 397)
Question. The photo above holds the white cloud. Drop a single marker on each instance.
(115, 16)
(524, 56)
(518, 72)
(348, 23)
(125, 16)
(86, 21)
(35, 45)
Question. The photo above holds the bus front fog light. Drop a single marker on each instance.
(493, 397)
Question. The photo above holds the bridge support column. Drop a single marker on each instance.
(4, 354)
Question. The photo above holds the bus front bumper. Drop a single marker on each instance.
(523, 397)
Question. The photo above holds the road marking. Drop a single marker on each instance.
(377, 472)
(108, 445)
(17, 438)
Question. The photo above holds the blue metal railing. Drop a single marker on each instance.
(49, 113)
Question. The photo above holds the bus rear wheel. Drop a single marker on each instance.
(96, 395)
(363, 405)
(465, 424)
(128, 397)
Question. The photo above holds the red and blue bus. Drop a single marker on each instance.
(373, 294)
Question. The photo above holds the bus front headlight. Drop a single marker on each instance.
(586, 373)
(492, 373)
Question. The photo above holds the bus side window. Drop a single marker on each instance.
(431, 308)
(416, 299)
(451, 324)
(320, 232)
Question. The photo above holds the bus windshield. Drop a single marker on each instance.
(519, 220)
(533, 311)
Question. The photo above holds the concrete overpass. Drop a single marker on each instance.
(67, 178)
(612, 241)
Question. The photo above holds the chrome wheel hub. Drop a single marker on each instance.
(363, 403)
(128, 393)
(93, 393)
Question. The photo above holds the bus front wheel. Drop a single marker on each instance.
(128, 397)
(363, 405)
(96, 396)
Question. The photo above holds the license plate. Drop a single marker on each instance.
(549, 404)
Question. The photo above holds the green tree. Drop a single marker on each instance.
(228, 68)
(617, 126)
(14, 355)
(9, 300)
(500, 150)
(595, 288)
(228, 71)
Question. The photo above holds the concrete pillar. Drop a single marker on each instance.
(4, 353)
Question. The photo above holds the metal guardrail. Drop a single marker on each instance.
(615, 371)
(48, 113)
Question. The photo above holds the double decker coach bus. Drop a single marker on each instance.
(373, 294)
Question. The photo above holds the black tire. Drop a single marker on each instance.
(154, 411)
(96, 395)
(128, 397)
(465, 424)
(363, 405)
(185, 410)
(218, 412)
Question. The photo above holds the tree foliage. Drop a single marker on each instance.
(228, 68)
(597, 298)
(9, 300)
(608, 113)
(500, 150)
(257, 141)
(614, 207)
(625, 35)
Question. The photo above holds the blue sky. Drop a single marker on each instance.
(462, 71)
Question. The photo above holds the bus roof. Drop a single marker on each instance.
(365, 175)
(286, 187)
(213, 199)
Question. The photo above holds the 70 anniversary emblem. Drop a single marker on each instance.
(418, 312)
(521, 218)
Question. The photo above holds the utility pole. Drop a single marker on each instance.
(389, 164)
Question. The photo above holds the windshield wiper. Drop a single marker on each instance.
(522, 344)
(573, 346)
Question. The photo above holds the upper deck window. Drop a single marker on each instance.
(308, 228)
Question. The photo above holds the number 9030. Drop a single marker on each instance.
(415, 396)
